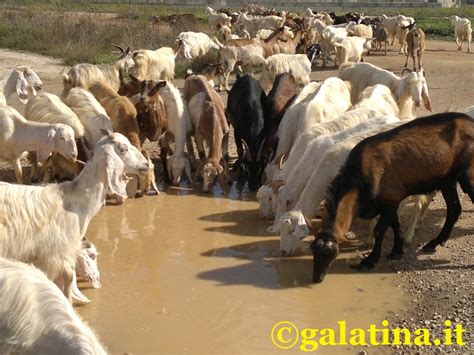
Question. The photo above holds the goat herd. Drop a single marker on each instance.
(351, 141)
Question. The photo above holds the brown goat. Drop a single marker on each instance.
(206, 111)
(415, 46)
(279, 98)
(425, 155)
(120, 110)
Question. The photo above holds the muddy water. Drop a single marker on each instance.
(183, 273)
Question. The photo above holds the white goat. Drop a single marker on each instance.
(22, 80)
(154, 65)
(330, 100)
(361, 30)
(17, 135)
(44, 225)
(409, 90)
(84, 74)
(215, 18)
(292, 225)
(288, 194)
(392, 24)
(254, 24)
(86, 269)
(36, 318)
(462, 31)
(194, 44)
(296, 64)
(179, 129)
(329, 37)
(49, 108)
(351, 49)
(89, 111)
(375, 101)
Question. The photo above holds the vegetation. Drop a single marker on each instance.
(83, 32)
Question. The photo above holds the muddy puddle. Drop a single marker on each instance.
(187, 273)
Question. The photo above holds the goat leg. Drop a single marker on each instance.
(453, 207)
(385, 220)
(397, 250)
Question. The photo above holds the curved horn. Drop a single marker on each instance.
(122, 49)
(246, 150)
(260, 149)
(279, 161)
(406, 70)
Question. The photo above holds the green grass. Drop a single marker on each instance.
(84, 32)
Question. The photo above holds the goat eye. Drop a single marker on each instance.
(92, 257)
(123, 148)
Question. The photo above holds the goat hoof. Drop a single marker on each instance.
(363, 266)
(395, 255)
(429, 248)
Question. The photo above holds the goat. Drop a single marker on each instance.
(253, 25)
(392, 24)
(84, 75)
(462, 31)
(215, 18)
(49, 108)
(408, 90)
(206, 111)
(294, 225)
(245, 106)
(194, 44)
(154, 65)
(120, 110)
(18, 135)
(381, 37)
(351, 49)
(179, 130)
(86, 270)
(18, 81)
(298, 64)
(376, 101)
(36, 318)
(328, 101)
(279, 98)
(415, 46)
(45, 224)
(89, 111)
(439, 146)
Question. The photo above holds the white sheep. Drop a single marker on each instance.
(215, 18)
(462, 31)
(154, 65)
(84, 74)
(22, 80)
(194, 44)
(409, 91)
(36, 318)
(351, 49)
(17, 135)
(44, 225)
(296, 64)
(89, 111)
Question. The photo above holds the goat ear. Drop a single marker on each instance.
(426, 100)
(46, 149)
(134, 78)
(22, 87)
(116, 179)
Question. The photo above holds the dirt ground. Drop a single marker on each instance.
(438, 287)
